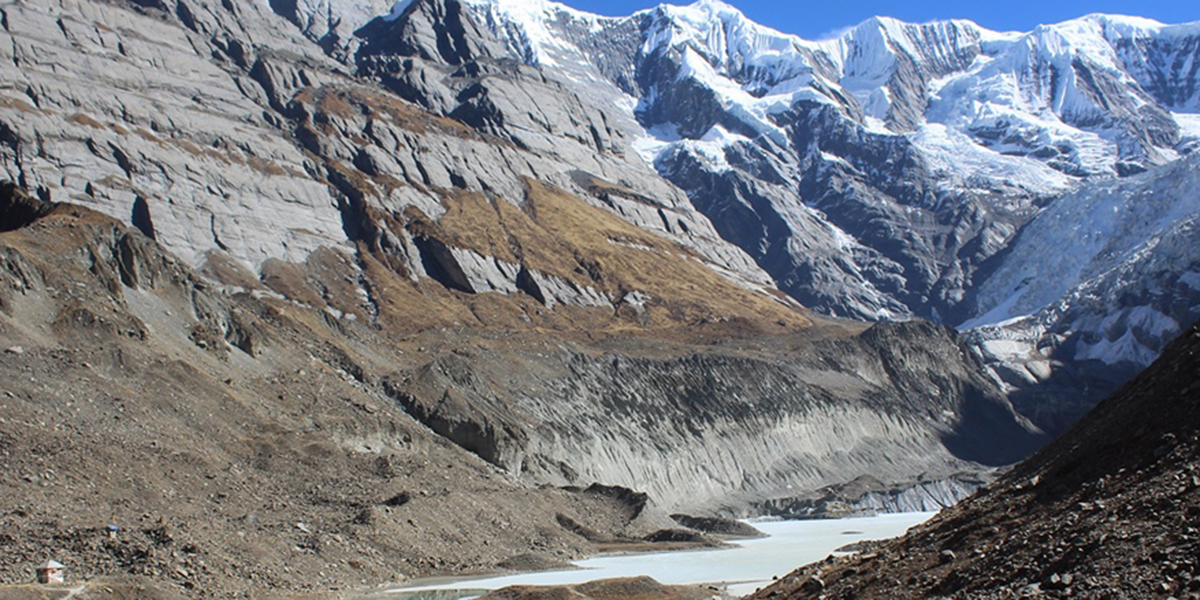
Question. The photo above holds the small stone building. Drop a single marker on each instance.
(51, 571)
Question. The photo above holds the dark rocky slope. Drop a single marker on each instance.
(1109, 510)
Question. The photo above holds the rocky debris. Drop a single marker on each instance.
(718, 526)
(109, 588)
(1107, 510)
(867, 495)
(677, 535)
(890, 377)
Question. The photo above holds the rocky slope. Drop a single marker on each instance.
(239, 444)
(245, 440)
(1107, 510)
(717, 428)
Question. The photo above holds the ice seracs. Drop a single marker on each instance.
(1095, 286)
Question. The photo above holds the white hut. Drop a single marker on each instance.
(51, 571)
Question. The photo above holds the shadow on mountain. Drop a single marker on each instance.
(989, 433)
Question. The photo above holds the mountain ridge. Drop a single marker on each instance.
(727, 133)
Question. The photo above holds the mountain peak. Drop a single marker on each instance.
(1129, 23)
(715, 6)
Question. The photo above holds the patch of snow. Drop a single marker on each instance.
(655, 141)
(398, 10)
(958, 162)
(835, 158)
(1123, 349)
(537, 40)
(999, 314)
(1007, 350)
(1189, 125)
(875, 125)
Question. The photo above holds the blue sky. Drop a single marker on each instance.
(820, 18)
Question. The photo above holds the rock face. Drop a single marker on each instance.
(715, 429)
(192, 151)
(1107, 509)
(258, 146)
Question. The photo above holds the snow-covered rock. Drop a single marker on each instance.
(1093, 289)
(1107, 223)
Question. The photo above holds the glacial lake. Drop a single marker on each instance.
(750, 565)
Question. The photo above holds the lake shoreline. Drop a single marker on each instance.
(735, 568)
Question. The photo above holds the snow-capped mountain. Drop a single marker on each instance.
(882, 174)
(869, 175)
(201, 183)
